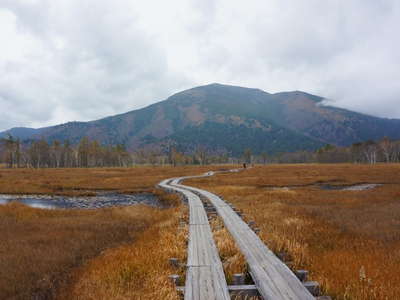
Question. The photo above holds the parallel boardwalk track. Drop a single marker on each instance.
(205, 278)
(273, 279)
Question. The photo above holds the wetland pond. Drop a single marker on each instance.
(101, 200)
(330, 187)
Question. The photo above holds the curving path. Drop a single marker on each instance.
(273, 279)
(205, 278)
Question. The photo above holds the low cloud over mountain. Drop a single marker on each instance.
(230, 119)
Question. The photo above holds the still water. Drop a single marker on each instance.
(103, 199)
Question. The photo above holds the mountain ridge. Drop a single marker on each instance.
(227, 118)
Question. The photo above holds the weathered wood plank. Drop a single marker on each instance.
(205, 278)
(272, 277)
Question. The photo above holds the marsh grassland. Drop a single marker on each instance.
(348, 240)
(111, 253)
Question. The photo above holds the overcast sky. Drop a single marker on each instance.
(64, 60)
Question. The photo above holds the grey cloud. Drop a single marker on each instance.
(93, 61)
(88, 59)
(341, 50)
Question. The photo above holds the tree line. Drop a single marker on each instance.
(370, 152)
(90, 153)
(41, 154)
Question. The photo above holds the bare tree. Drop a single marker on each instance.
(56, 154)
(388, 149)
(12, 150)
(83, 153)
(39, 154)
(201, 154)
(67, 156)
(370, 150)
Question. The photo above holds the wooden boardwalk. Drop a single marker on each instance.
(273, 279)
(205, 278)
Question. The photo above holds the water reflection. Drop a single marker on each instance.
(103, 199)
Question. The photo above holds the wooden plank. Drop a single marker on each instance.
(205, 278)
(273, 278)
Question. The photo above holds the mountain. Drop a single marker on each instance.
(227, 118)
(22, 133)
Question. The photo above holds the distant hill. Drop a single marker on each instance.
(227, 118)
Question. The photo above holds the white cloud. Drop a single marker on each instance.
(81, 60)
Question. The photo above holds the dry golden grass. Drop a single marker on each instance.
(41, 250)
(84, 181)
(40, 247)
(232, 260)
(349, 240)
(136, 271)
